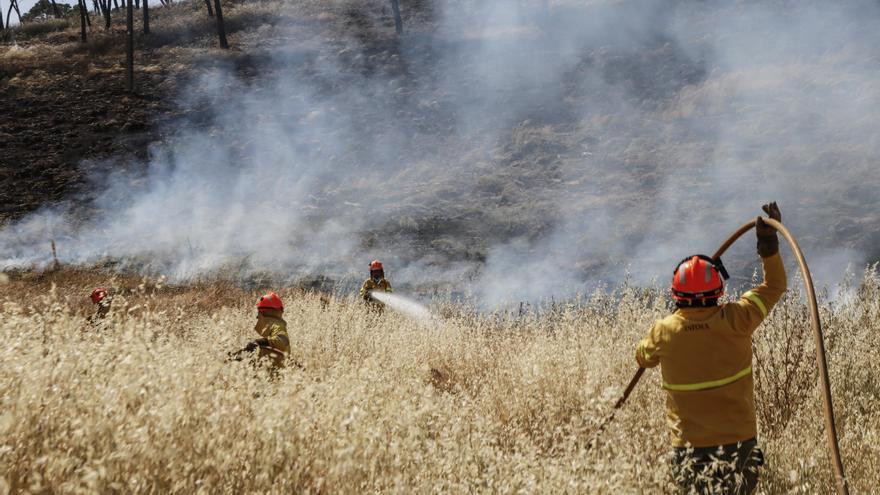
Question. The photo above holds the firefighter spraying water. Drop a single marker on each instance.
(377, 293)
(377, 283)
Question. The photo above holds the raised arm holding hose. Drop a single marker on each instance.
(704, 351)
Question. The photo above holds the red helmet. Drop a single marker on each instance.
(376, 265)
(698, 277)
(270, 301)
(98, 295)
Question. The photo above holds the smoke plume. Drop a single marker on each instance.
(505, 152)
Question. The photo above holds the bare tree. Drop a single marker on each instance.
(129, 45)
(398, 22)
(55, 10)
(105, 5)
(13, 4)
(221, 29)
(146, 17)
(210, 9)
(1, 17)
(82, 19)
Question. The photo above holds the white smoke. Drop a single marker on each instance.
(506, 153)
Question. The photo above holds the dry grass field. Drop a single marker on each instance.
(477, 404)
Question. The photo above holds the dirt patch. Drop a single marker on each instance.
(56, 115)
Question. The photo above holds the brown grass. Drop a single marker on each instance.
(483, 403)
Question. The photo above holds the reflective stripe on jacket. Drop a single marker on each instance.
(705, 358)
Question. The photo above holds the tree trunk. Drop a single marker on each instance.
(146, 18)
(55, 10)
(12, 5)
(9, 15)
(116, 5)
(398, 22)
(106, 6)
(210, 9)
(137, 4)
(221, 29)
(1, 18)
(129, 45)
(82, 19)
(88, 17)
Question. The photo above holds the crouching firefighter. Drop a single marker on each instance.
(376, 282)
(704, 350)
(102, 300)
(274, 343)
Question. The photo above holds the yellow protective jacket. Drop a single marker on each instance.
(370, 285)
(103, 309)
(273, 328)
(705, 358)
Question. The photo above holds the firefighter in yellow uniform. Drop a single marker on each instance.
(376, 282)
(274, 343)
(704, 350)
(102, 300)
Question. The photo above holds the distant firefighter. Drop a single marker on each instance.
(274, 343)
(102, 299)
(376, 282)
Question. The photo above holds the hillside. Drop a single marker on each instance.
(574, 144)
(64, 105)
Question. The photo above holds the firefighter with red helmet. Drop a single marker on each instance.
(376, 282)
(274, 342)
(704, 350)
(101, 299)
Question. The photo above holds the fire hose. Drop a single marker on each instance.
(830, 428)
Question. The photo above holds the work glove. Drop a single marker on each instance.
(768, 241)
(252, 346)
(235, 356)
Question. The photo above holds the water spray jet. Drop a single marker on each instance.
(405, 306)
